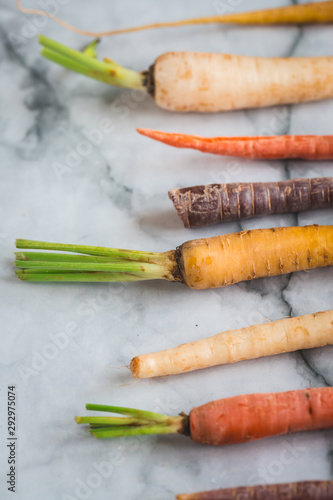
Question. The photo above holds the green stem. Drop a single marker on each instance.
(90, 250)
(92, 264)
(125, 431)
(82, 69)
(77, 277)
(84, 63)
(136, 422)
(102, 421)
(143, 414)
(150, 270)
(63, 257)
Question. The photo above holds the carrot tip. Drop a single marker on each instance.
(145, 131)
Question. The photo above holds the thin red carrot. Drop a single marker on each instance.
(305, 147)
(232, 420)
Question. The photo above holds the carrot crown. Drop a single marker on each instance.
(132, 422)
(97, 264)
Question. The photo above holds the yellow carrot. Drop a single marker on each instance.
(286, 335)
(199, 264)
(228, 259)
(314, 12)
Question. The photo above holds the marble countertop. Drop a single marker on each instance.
(65, 345)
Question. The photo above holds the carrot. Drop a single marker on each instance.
(304, 147)
(286, 335)
(204, 205)
(303, 490)
(319, 12)
(205, 82)
(199, 264)
(234, 420)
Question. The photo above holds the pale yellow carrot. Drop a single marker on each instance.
(205, 82)
(267, 339)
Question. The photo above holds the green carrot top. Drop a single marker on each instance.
(86, 64)
(94, 264)
(132, 423)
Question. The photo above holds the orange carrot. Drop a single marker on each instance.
(256, 416)
(305, 147)
(232, 420)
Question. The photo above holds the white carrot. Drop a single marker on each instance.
(195, 81)
(286, 335)
(205, 82)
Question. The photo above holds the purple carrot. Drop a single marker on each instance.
(205, 205)
(305, 490)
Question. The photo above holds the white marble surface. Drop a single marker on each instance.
(117, 196)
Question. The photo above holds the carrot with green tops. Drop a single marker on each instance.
(199, 264)
(251, 342)
(303, 490)
(205, 82)
(215, 203)
(234, 420)
(280, 147)
(309, 13)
